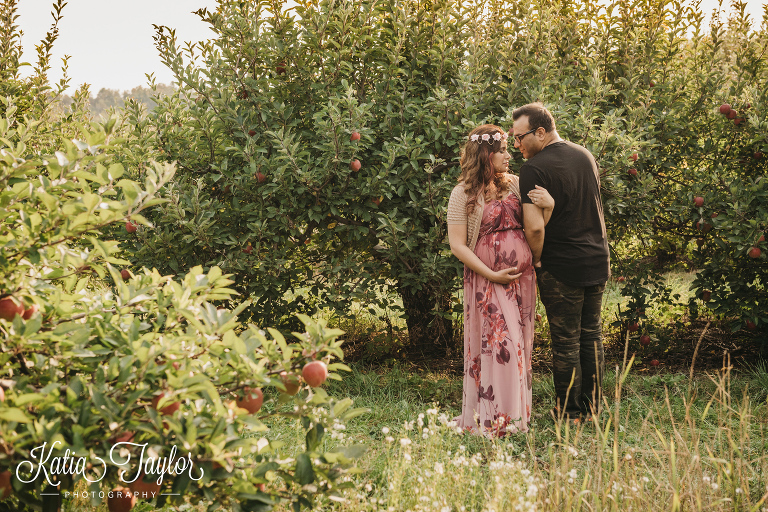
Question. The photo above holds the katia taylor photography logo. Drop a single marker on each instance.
(147, 464)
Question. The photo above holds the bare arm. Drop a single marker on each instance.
(533, 221)
(541, 197)
(457, 237)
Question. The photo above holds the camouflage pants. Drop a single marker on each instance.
(577, 344)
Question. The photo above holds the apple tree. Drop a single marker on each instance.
(316, 150)
(93, 355)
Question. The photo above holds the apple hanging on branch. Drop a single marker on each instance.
(252, 400)
(314, 373)
(10, 307)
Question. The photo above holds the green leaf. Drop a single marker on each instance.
(304, 472)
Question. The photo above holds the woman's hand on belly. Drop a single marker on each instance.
(505, 276)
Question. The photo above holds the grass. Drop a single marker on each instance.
(661, 443)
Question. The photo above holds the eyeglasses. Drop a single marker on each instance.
(519, 138)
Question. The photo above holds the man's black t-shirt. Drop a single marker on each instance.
(575, 242)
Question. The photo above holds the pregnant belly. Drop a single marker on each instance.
(504, 249)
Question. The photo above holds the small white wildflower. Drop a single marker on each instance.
(573, 451)
(627, 457)
(645, 479)
(472, 482)
(425, 435)
(385, 430)
(407, 456)
(739, 490)
(389, 439)
(405, 441)
(368, 487)
(439, 468)
(706, 479)
(715, 486)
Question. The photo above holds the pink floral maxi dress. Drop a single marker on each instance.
(498, 327)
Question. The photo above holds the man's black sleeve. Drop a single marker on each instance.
(529, 178)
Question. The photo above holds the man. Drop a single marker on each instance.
(574, 258)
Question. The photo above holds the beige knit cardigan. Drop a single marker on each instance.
(457, 210)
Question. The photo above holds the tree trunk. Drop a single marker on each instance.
(430, 335)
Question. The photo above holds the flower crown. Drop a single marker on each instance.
(486, 137)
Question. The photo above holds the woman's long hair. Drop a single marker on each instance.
(476, 169)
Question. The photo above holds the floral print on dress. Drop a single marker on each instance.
(498, 327)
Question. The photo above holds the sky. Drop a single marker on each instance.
(110, 42)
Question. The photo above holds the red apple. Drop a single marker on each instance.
(376, 201)
(355, 136)
(652, 83)
(5, 484)
(705, 227)
(10, 307)
(148, 486)
(261, 177)
(252, 400)
(655, 362)
(738, 121)
(761, 239)
(634, 157)
(29, 312)
(131, 226)
(120, 499)
(248, 250)
(706, 295)
(125, 437)
(645, 340)
(755, 252)
(714, 215)
(538, 317)
(751, 325)
(633, 327)
(731, 114)
(291, 383)
(243, 94)
(168, 409)
(725, 108)
(125, 274)
(355, 165)
(251, 133)
(314, 373)
(698, 201)
(633, 171)
(621, 279)
(757, 155)
(280, 68)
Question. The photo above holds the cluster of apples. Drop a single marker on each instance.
(632, 171)
(10, 306)
(726, 110)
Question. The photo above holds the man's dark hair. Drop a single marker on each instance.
(538, 116)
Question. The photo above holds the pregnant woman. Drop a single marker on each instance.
(485, 230)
